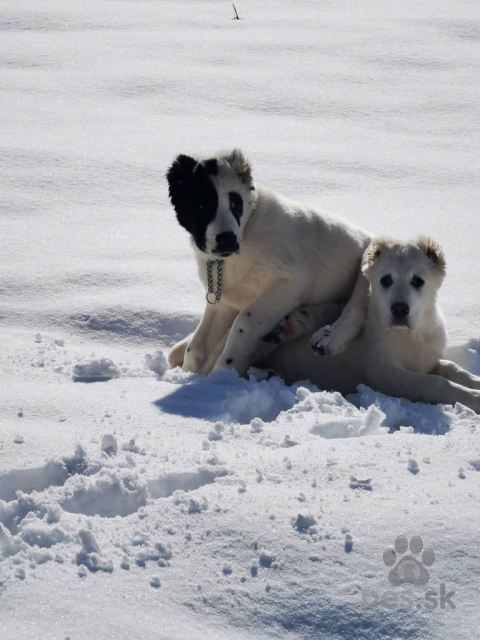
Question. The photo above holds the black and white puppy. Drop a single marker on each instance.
(270, 256)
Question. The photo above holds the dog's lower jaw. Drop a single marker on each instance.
(402, 326)
(208, 253)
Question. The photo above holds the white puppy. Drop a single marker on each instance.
(400, 350)
(259, 256)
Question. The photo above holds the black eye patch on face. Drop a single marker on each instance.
(193, 195)
(236, 205)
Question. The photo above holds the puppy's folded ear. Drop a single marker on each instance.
(373, 252)
(433, 252)
(179, 176)
(240, 165)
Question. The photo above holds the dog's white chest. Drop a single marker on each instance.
(240, 284)
(415, 352)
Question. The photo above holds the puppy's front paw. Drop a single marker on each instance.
(193, 360)
(325, 342)
(238, 364)
(320, 341)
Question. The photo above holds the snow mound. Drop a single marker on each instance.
(156, 362)
(350, 426)
(96, 371)
(226, 397)
(399, 412)
(90, 555)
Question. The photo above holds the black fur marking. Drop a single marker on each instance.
(248, 313)
(271, 337)
(236, 205)
(320, 349)
(229, 360)
(211, 166)
(193, 196)
(241, 330)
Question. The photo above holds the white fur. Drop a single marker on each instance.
(404, 362)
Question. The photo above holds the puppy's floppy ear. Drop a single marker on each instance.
(373, 252)
(433, 252)
(179, 175)
(240, 165)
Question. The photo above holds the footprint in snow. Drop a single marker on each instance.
(366, 485)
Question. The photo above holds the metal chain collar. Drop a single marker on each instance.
(213, 296)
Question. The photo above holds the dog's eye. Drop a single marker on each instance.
(417, 282)
(236, 205)
(386, 281)
(235, 201)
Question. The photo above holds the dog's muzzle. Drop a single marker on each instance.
(400, 311)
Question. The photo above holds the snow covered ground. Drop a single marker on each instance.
(140, 505)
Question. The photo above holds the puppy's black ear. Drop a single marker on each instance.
(179, 176)
(433, 252)
(240, 165)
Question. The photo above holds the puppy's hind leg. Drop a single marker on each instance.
(455, 373)
(177, 353)
(301, 321)
(420, 387)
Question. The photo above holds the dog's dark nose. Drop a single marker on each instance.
(400, 310)
(227, 243)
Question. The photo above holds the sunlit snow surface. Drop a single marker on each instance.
(169, 508)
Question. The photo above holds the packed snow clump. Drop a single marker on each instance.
(96, 371)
